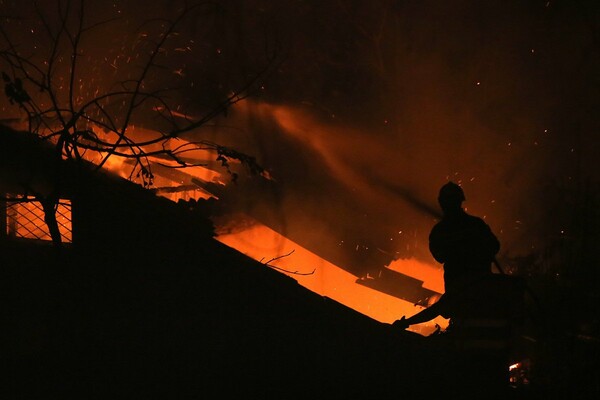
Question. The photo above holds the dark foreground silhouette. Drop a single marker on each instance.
(484, 308)
(145, 303)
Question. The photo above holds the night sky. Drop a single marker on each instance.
(370, 106)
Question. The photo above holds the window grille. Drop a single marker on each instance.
(25, 219)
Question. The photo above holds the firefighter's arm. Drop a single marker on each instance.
(424, 315)
(401, 323)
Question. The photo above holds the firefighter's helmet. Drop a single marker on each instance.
(452, 193)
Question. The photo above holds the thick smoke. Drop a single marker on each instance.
(377, 104)
(369, 116)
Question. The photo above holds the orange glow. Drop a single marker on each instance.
(165, 171)
(27, 220)
(114, 164)
(432, 277)
(263, 244)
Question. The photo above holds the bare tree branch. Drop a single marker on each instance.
(102, 123)
(268, 264)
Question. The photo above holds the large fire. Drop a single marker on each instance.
(320, 276)
(262, 243)
(342, 154)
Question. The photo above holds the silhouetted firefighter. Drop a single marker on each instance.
(482, 306)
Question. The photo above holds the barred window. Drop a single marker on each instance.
(25, 219)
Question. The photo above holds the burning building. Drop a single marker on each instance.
(358, 125)
(142, 296)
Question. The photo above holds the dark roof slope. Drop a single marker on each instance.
(160, 309)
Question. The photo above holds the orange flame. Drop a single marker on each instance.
(262, 244)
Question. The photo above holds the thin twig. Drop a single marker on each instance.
(268, 264)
